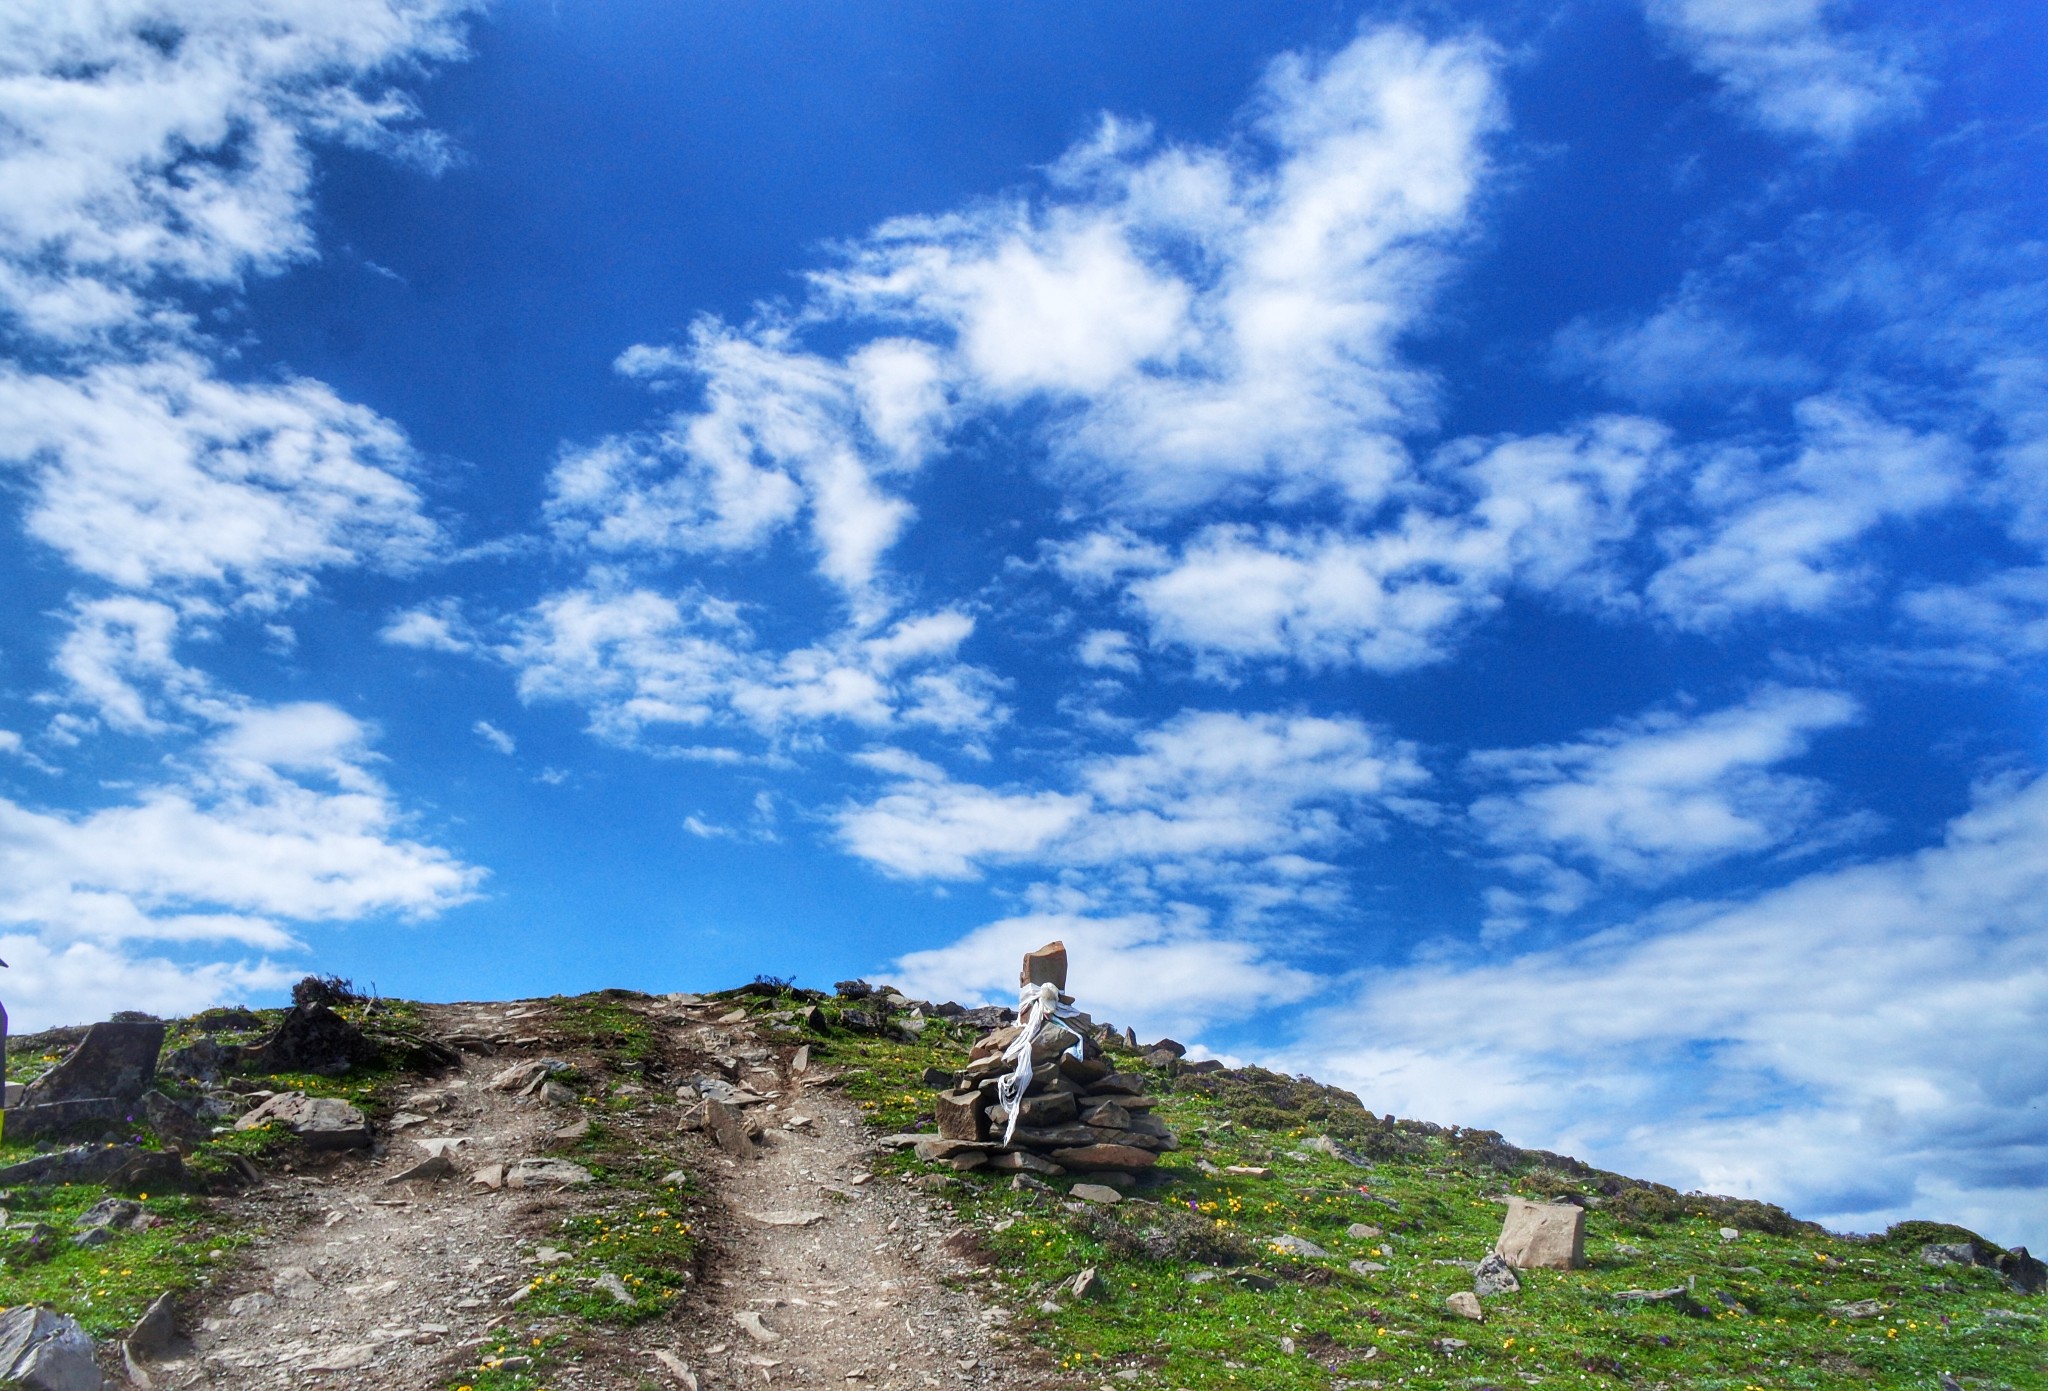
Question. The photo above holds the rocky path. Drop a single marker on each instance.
(814, 1272)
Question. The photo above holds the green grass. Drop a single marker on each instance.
(107, 1287)
(1770, 1292)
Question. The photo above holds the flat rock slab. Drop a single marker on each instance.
(323, 1122)
(545, 1173)
(1111, 1158)
(116, 1166)
(114, 1059)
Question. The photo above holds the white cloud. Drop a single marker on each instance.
(77, 982)
(1207, 321)
(1792, 72)
(495, 737)
(159, 476)
(779, 431)
(1221, 799)
(278, 817)
(1806, 1046)
(1657, 796)
(1159, 973)
(1781, 538)
(141, 140)
(1108, 649)
(435, 627)
(119, 658)
(1547, 512)
(639, 660)
(1985, 624)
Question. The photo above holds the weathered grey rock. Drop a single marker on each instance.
(1023, 1161)
(155, 1335)
(1858, 1309)
(1105, 1114)
(1678, 1297)
(176, 1121)
(1047, 1111)
(33, 1120)
(729, 1129)
(1096, 1193)
(555, 1094)
(311, 1038)
(936, 1148)
(323, 1122)
(115, 1059)
(202, 1060)
(489, 1176)
(1088, 1285)
(1546, 1236)
(1295, 1245)
(1366, 1267)
(1323, 1144)
(546, 1173)
(1495, 1276)
(1362, 1231)
(1168, 1046)
(1949, 1253)
(115, 1166)
(41, 1350)
(1466, 1305)
(575, 1130)
(122, 1214)
(430, 1169)
(520, 1077)
(2024, 1273)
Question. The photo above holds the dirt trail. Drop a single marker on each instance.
(814, 1273)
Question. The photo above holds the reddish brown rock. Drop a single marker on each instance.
(1046, 966)
(960, 1116)
(1109, 1158)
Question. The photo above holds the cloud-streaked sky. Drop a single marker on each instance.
(1493, 554)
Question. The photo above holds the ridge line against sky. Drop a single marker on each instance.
(1526, 606)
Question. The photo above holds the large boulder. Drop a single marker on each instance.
(312, 1038)
(1545, 1236)
(115, 1059)
(45, 1351)
(323, 1122)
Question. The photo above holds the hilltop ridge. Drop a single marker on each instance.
(627, 1190)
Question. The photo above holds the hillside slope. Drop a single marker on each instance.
(763, 1252)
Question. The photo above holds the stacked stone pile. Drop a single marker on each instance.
(1077, 1115)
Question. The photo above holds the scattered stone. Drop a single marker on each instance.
(728, 1130)
(114, 1166)
(1949, 1253)
(1246, 1170)
(1465, 1305)
(555, 1094)
(1495, 1276)
(676, 1368)
(750, 1323)
(1444, 1347)
(784, 1218)
(1730, 1234)
(433, 1168)
(41, 1350)
(155, 1335)
(615, 1287)
(294, 1282)
(1860, 1309)
(176, 1121)
(1366, 1267)
(2024, 1273)
(1293, 1245)
(489, 1176)
(1088, 1285)
(545, 1173)
(1323, 1144)
(936, 1149)
(1095, 1193)
(348, 1358)
(1362, 1231)
(732, 1016)
(1548, 1236)
(122, 1214)
(522, 1076)
(441, 1144)
(323, 1122)
(1678, 1297)
(575, 1130)
(800, 1061)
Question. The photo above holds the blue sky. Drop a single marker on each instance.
(1490, 554)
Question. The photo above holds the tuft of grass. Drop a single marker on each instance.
(107, 1287)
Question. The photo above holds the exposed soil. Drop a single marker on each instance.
(811, 1272)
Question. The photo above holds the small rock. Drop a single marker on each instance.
(295, 1282)
(1295, 1245)
(675, 1178)
(1730, 1234)
(155, 1334)
(555, 1094)
(1543, 1235)
(1366, 1267)
(750, 1323)
(323, 1122)
(489, 1176)
(545, 1173)
(1446, 1346)
(249, 1305)
(784, 1218)
(575, 1130)
(1860, 1309)
(430, 1169)
(349, 1358)
(615, 1287)
(1495, 1276)
(1362, 1231)
(1096, 1193)
(1088, 1285)
(1465, 1305)
(676, 1368)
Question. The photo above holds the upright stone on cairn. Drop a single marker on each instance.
(1046, 966)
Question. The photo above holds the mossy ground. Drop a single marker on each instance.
(1769, 1302)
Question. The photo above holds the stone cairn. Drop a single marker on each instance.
(1039, 1097)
